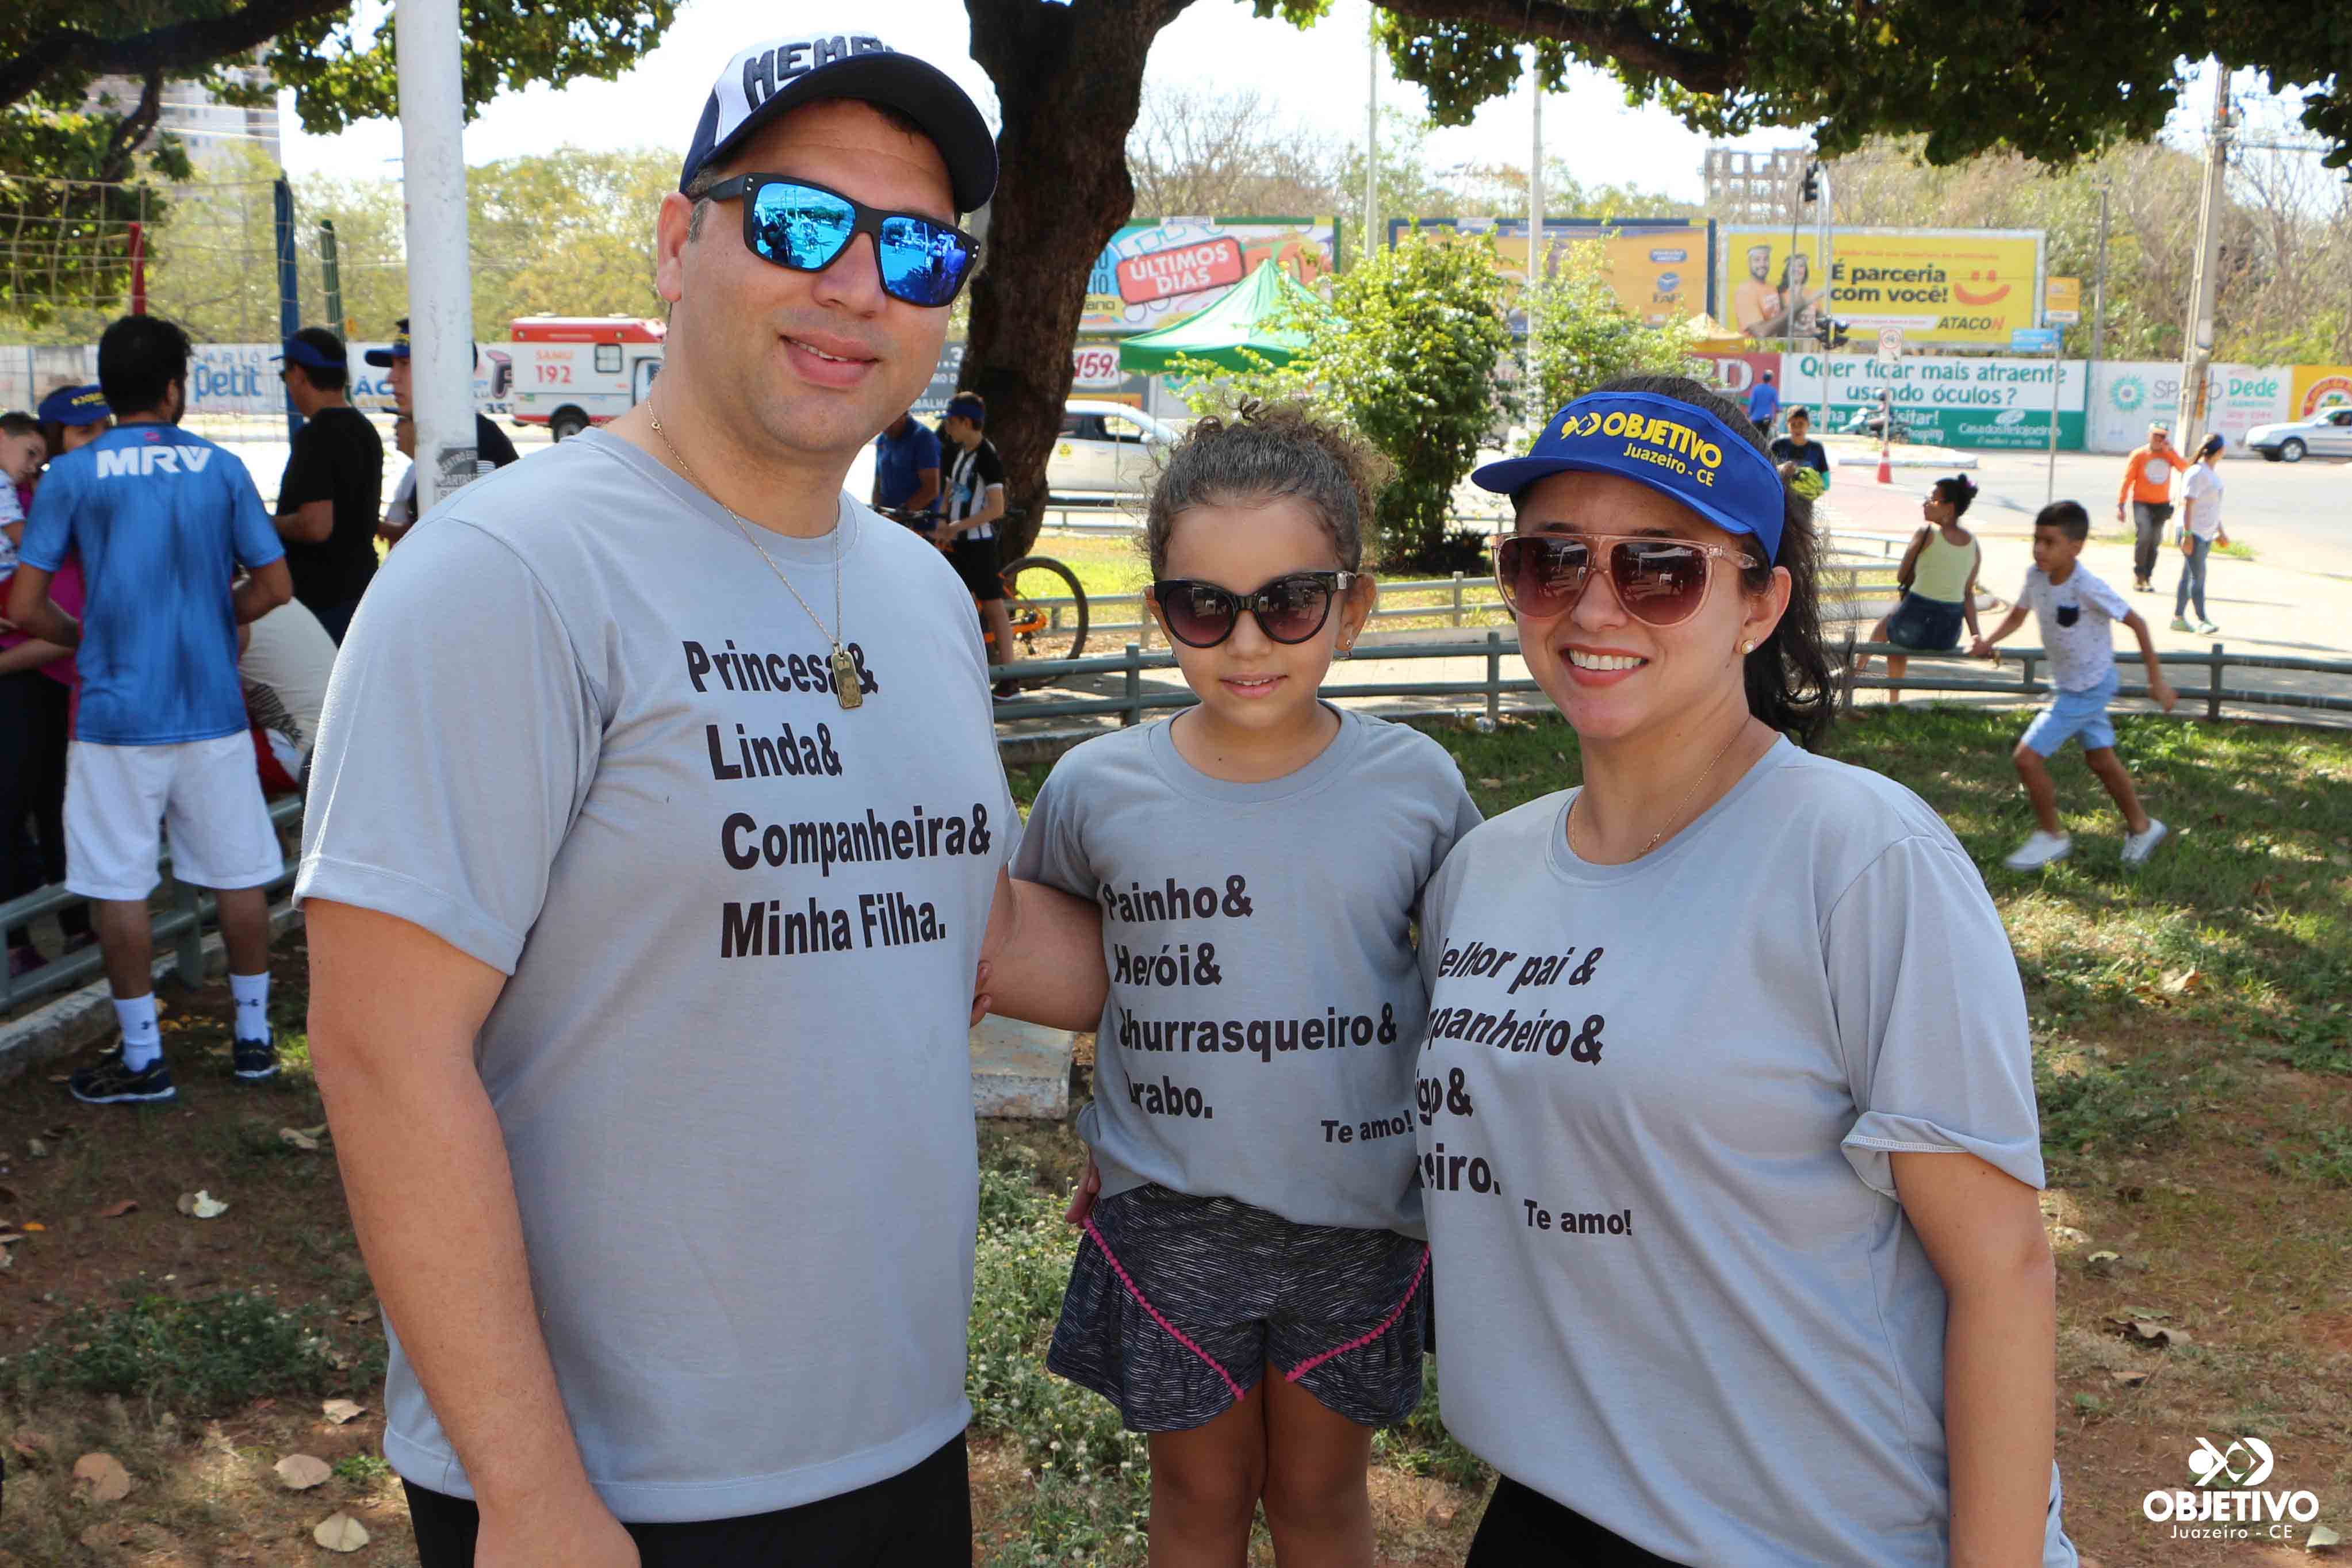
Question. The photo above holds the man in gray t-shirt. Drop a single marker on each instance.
(646, 900)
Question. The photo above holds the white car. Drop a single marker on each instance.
(1106, 449)
(2328, 433)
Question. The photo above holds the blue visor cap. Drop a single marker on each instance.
(396, 352)
(75, 405)
(299, 351)
(1675, 448)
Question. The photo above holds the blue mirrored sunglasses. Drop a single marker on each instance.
(806, 227)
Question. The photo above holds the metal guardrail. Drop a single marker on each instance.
(182, 926)
(1133, 702)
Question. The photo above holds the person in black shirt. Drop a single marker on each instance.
(974, 501)
(491, 446)
(333, 486)
(1800, 448)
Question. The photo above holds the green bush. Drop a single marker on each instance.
(1585, 336)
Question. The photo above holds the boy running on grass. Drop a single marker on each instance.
(2076, 611)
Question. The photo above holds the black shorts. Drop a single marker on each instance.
(920, 1518)
(1178, 1305)
(976, 561)
(1522, 1527)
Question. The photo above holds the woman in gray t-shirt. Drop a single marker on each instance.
(1730, 1179)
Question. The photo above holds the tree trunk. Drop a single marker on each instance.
(1069, 81)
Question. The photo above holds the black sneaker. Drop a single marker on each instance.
(107, 1081)
(256, 1060)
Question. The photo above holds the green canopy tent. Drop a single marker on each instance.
(1218, 334)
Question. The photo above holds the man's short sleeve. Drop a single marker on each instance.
(449, 767)
(1930, 1017)
(927, 447)
(49, 533)
(988, 466)
(250, 530)
(310, 471)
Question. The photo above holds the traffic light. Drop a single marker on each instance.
(1812, 183)
(1837, 334)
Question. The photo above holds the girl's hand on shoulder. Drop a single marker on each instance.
(1082, 1202)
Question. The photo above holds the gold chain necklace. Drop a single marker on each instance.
(845, 684)
(1688, 796)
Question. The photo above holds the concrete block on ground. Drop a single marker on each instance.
(1021, 1070)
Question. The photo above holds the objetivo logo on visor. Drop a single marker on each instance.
(2225, 1504)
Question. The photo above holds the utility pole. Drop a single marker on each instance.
(1372, 125)
(2197, 341)
(2099, 286)
(440, 284)
(1536, 413)
(1828, 223)
(330, 273)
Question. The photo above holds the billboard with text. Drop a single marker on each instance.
(1155, 272)
(1945, 288)
(1948, 400)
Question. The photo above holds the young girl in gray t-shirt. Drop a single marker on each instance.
(1252, 1288)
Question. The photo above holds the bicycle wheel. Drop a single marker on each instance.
(1043, 626)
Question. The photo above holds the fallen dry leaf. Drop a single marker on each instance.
(340, 1532)
(201, 1205)
(2321, 1539)
(35, 1149)
(300, 1140)
(300, 1472)
(35, 1225)
(2146, 1332)
(101, 1477)
(2183, 982)
(117, 1210)
(339, 1411)
(2129, 1378)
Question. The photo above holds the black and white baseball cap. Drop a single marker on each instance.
(767, 79)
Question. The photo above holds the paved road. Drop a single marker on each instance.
(2294, 515)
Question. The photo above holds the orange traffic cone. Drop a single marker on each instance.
(1885, 467)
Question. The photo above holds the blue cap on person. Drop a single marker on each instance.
(966, 405)
(74, 405)
(317, 348)
(1678, 449)
(398, 350)
(777, 74)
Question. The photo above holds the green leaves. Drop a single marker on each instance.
(1585, 336)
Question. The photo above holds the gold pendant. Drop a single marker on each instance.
(845, 684)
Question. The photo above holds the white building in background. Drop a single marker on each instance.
(212, 131)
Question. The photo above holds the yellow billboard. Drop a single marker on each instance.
(2319, 386)
(1961, 288)
(1657, 269)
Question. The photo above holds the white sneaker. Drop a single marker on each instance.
(2138, 847)
(2041, 850)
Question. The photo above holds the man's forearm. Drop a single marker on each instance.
(2000, 1378)
(432, 1200)
(1045, 951)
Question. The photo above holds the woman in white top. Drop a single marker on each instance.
(1729, 1154)
(2200, 530)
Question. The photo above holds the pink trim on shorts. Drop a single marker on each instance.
(1311, 1363)
(1178, 1335)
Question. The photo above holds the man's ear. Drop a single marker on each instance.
(670, 241)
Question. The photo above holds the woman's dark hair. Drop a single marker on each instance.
(139, 358)
(2217, 442)
(1958, 490)
(1788, 675)
(1269, 452)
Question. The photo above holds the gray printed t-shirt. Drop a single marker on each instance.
(1258, 1040)
(1680, 1297)
(740, 926)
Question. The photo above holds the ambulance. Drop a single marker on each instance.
(573, 371)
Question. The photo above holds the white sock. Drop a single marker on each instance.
(142, 1042)
(252, 994)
